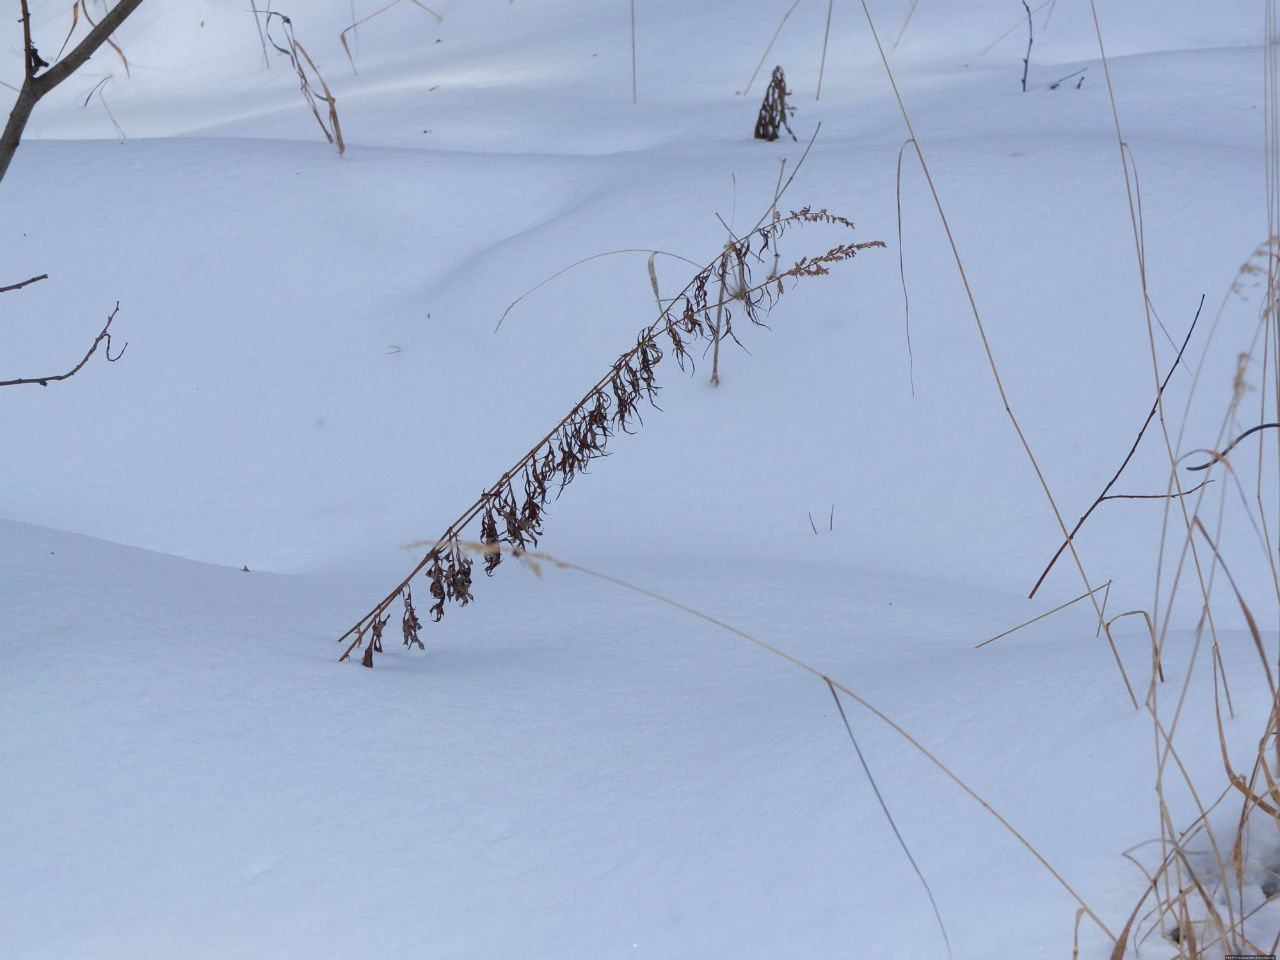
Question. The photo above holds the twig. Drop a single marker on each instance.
(1026, 61)
(36, 84)
(777, 195)
(103, 335)
(1132, 450)
(19, 286)
(1057, 83)
(1232, 445)
(1156, 496)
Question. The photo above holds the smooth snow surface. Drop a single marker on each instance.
(313, 381)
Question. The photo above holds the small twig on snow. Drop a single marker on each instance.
(102, 336)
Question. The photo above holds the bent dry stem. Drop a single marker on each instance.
(510, 512)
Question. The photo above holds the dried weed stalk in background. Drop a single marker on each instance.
(354, 28)
(510, 513)
(297, 56)
(775, 109)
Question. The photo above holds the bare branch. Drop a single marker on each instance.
(102, 337)
(83, 50)
(35, 84)
(1155, 496)
(19, 286)
(1232, 445)
(1132, 450)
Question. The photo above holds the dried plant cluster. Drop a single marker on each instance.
(510, 513)
(1212, 889)
(775, 110)
(305, 68)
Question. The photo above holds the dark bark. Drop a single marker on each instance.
(35, 84)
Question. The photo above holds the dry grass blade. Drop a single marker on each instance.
(1117, 950)
(901, 33)
(889, 816)
(1158, 667)
(343, 36)
(486, 548)
(826, 35)
(595, 256)
(75, 19)
(981, 327)
(902, 273)
(764, 56)
(1047, 613)
(76, 9)
(1244, 608)
(301, 60)
(1017, 26)
(511, 511)
(111, 43)
(105, 106)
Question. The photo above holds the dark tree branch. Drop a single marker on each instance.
(19, 286)
(1026, 61)
(100, 338)
(37, 84)
(1155, 496)
(1232, 445)
(86, 48)
(1132, 450)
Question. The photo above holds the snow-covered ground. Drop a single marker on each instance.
(313, 381)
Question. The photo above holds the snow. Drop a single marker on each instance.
(313, 380)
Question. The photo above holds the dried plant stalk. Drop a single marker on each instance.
(775, 110)
(354, 26)
(297, 56)
(511, 511)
